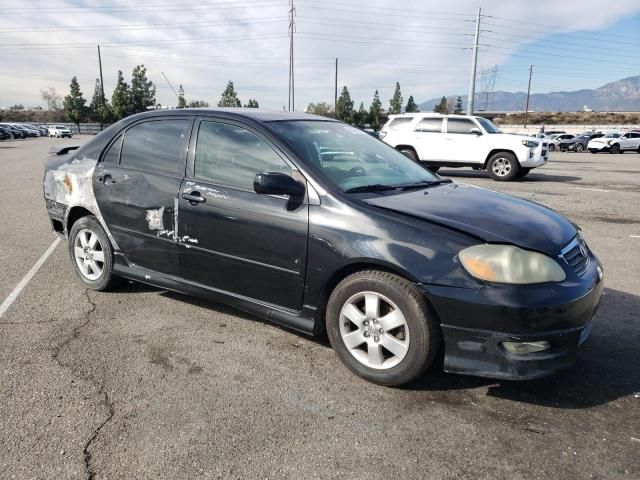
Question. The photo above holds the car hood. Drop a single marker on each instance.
(491, 216)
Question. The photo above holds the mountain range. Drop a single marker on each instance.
(619, 96)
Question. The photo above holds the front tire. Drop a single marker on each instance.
(380, 327)
(91, 254)
(615, 149)
(503, 166)
(552, 147)
(579, 148)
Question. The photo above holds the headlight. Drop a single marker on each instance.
(509, 264)
(530, 143)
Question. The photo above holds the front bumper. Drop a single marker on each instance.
(597, 147)
(534, 157)
(475, 323)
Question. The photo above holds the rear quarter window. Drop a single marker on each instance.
(155, 146)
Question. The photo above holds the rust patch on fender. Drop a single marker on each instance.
(68, 184)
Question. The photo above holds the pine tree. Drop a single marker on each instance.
(229, 97)
(361, 117)
(458, 107)
(75, 109)
(375, 111)
(442, 107)
(344, 107)
(396, 101)
(143, 91)
(121, 98)
(411, 106)
(252, 104)
(182, 103)
(99, 108)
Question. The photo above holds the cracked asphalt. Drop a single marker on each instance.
(141, 383)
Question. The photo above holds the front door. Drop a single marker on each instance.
(229, 237)
(136, 186)
(462, 146)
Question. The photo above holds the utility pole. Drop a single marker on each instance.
(292, 103)
(101, 87)
(335, 93)
(474, 64)
(526, 108)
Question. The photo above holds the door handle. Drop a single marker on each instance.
(194, 197)
(106, 178)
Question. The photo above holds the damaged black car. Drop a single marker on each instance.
(315, 225)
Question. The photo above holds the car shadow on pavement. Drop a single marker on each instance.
(531, 178)
(606, 369)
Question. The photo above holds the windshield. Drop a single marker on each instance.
(488, 125)
(350, 158)
(612, 135)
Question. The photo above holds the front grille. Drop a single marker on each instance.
(576, 254)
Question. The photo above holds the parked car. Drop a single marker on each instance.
(553, 132)
(627, 142)
(59, 131)
(14, 131)
(4, 133)
(27, 131)
(392, 261)
(602, 144)
(578, 143)
(463, 141)
(555, 139)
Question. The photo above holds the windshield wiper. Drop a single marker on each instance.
(376, 187)
(425, 183)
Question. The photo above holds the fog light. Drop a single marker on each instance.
(522, 348)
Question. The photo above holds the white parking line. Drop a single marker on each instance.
(592, 189)
(23, 283)
(634, 236)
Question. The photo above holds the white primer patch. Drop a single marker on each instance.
(154, 219)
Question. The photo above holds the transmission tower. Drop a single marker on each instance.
(487, 83)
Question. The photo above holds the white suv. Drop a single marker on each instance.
(464, 141)
(616, 143)
(59, 131)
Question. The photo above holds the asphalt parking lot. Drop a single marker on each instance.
(143, 383)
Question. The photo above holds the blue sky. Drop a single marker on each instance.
(424, 45)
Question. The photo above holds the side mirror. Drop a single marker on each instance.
(276, 183)
(475, 131)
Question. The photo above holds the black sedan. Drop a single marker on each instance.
(578, 143)
(393, 262)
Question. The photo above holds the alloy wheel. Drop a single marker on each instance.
(501, 166)
(374, 330)
(89, 254)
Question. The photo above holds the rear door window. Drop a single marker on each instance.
(155, 146)
(430, 125)
(231, 156)
(460, 125)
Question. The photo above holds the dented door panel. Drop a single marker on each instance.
(139, 208)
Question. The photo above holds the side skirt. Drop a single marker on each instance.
(302, 321)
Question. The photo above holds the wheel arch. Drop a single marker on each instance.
(498, 150)
(75, 214)
(403, 146)
(343, 272)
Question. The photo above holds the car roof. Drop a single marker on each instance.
(259, 114)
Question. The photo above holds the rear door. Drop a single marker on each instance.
(136, 185)
(230, 238)
(428, 139)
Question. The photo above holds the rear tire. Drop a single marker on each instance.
(91, 254)
(381, 328)
(433, 168)
(552, 147)
(503, 166)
